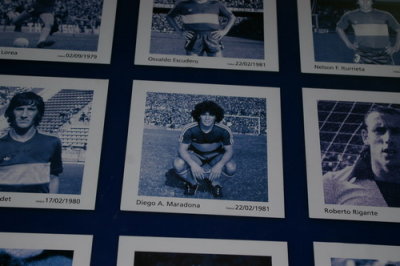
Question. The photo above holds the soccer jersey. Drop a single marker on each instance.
(356, 185)
(371, 29)
(31, 162)
(200, 16)
(192, 133)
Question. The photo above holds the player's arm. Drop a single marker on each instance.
(396, 47)
(54, 184)
(196, 169)
(345, 39)
(216, 170)
(174, 24)
(231, 20)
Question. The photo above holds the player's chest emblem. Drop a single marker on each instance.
(5, 158)
(190, 10)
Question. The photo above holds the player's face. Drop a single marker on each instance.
(383, 137)
(207, 119)
(365, 5)
(25, 116)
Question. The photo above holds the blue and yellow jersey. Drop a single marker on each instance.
(31, 162)
(371, 29)
(200, 16)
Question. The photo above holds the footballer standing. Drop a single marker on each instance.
(29, 160)
(201, 26)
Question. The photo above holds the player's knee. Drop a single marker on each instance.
(179, 164)
(230, 168)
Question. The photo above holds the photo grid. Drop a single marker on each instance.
(57, 30)
(44, 249)
(352, 140)
(152, 251)
(350, 37)
(237, 160)
(51, 134)
(343, 254)
(222, 34)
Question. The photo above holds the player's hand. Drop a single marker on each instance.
(352, 46)
(215, 172)
(219, 34)
(188, 34)
(391, 50)
(197, 171)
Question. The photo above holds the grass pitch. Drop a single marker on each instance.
(157, 179)
(63, 41)
(234, 47)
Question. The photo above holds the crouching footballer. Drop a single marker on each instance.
(205, 150)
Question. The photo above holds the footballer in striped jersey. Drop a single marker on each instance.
(201, 26)
(372, 34)
(205, 150)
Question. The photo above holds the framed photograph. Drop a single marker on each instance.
(45, 249)
(221, 34)
(353, 159)
(57, 30)
(152, 251)
(205, 149)
(341, 254)
(350, 37)
(50, 141)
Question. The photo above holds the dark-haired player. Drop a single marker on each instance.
(29, 161)
(44, 9)
(201, 25)
(371, 29)
(374, 180)
(205, 150)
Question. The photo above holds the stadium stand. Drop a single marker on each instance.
(171, 111)
(340, 126)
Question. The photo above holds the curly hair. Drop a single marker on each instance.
(208, 107)
(25, 98)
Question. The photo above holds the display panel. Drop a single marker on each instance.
(45, 249)
(62, 31)
(51, 135)
(191, 34)
(341, 254)
(149, 251)
(352, 140)
(350, 37)
(238, 159)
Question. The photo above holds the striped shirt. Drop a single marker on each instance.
(371, 29)
(200, 16)
(31, 162)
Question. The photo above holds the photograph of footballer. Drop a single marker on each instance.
(23, 249)
(46, 131)
(343, 254)
(208, 33)
(359, 140)
(213, 149)
(55, 30)
(355, 37)
(152, 251)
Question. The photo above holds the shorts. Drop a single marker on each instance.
(375, 56)
(40, 188)
(203, 41)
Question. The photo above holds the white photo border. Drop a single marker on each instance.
(101, 56)
(269, 63)
(129, 244)
(309, 65)
(275, 205)
(86, 200)
(324, 251)
(81, 245)
(317, 207)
